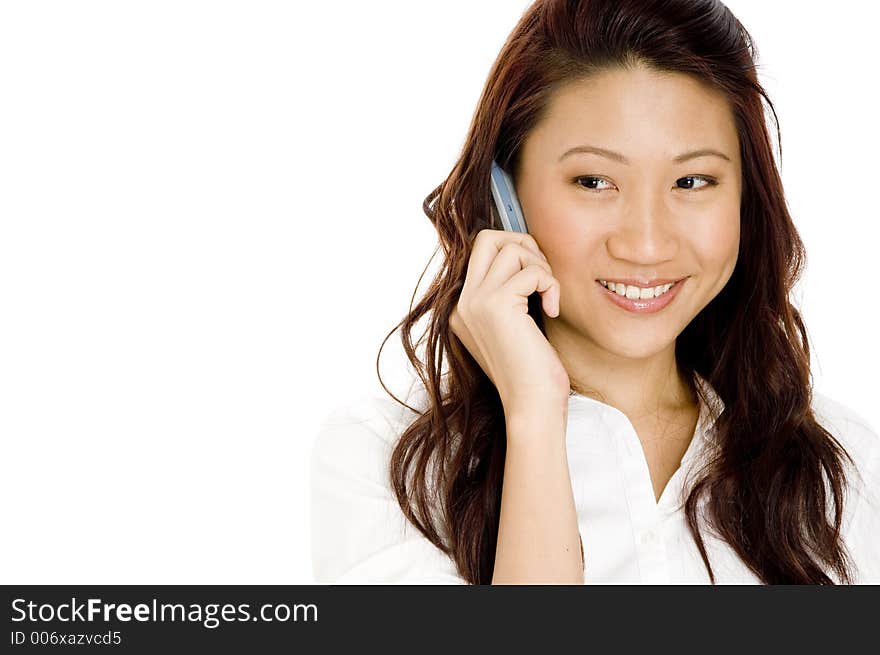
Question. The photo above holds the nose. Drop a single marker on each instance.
(645, 232)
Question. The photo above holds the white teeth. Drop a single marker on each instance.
(634, 292)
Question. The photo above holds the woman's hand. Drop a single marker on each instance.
(491, 319)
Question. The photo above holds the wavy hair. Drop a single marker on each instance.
(776, 470)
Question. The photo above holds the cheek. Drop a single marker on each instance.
(716, 242)
(572, 248)
(561, 232)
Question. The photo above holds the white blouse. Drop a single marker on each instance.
(360, 536)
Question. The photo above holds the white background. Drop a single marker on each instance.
(210, 217)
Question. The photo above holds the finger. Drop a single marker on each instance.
(550, 300)
(511, 259)
(534, 278)
(486, 246)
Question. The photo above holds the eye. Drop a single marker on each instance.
(591, 179)
(708, 180)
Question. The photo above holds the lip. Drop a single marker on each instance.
(646, 305)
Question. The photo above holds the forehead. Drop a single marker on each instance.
(641, 112)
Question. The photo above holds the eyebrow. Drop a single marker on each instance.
(616, 156)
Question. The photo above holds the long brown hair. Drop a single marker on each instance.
(776, 469)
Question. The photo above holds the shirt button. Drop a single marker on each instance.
(648, 537)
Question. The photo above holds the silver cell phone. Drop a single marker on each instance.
(506, 202)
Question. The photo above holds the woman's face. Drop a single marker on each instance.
(643, 211)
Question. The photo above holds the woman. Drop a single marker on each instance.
(627, 394)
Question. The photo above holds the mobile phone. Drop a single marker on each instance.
(506, 202)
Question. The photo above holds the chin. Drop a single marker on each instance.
(642, 350)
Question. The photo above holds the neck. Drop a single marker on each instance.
(639, 387)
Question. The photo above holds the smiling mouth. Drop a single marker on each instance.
(630, 298)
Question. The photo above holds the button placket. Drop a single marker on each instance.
(644, 511)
